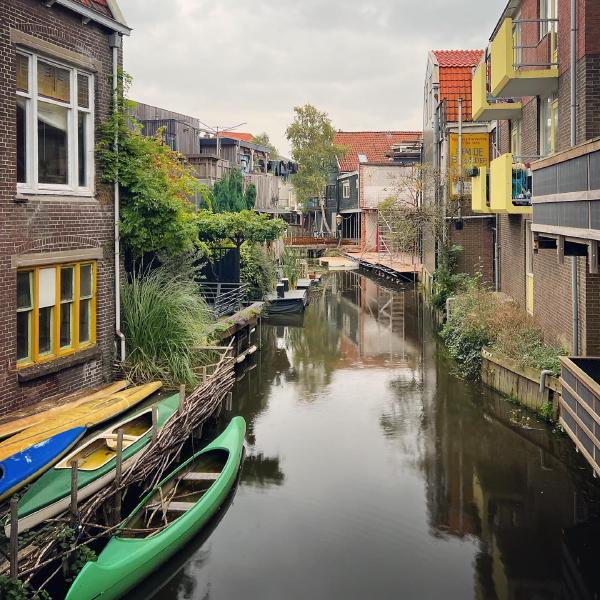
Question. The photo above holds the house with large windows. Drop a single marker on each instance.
(57, 244)
(537, 87)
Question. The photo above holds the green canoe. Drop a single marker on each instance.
(50, 495)
(165, 520)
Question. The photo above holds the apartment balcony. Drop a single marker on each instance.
(480, 198)
(524, 60)
(566, 200)
(486, 108)
(510, 186)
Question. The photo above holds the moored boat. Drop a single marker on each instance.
(165, 520)
(96, 458)
(24, 466)
(16, 425)
(86, 415)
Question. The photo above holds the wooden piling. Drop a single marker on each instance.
(118, 475)
(14, 536)
(74, 467)
(154, 423)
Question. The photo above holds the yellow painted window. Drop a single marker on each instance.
(56, 311)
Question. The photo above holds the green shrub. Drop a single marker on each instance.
(165, 319)
(257, 269)
(479, 318)
(15, 589)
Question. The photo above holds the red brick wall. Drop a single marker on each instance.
(48, 225)
(512, 256)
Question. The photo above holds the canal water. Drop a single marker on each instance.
(373, 472)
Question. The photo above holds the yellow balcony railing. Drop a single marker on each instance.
(479, 191)
(510, 186)
(485, 109)
(524, 60)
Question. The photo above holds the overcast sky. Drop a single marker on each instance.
(252, 61)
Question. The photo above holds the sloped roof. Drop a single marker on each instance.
(456, 74)
(105, 12)
(237, 135)
(458, 58)
(99, 5)
(375, 145)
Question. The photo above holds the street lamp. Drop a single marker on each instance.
(338, 222)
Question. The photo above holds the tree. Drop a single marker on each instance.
(238, 227)
(312, 135)
(263, 140)
(155, 183)
(228, 194)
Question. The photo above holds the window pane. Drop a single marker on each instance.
(83, 91)
(66, 283)
(54, 82)
(81, 148)
(23, 329)
(84, 321)
(85, 278)
(66, 319)
(45, 337)
(22, 139)
(22, 73)
(47, 287)
(24, 295)
(52, 143)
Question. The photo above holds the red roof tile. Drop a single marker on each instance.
(237, 135)
(458, 58)
(456, 73)
(100, 6)
(375, 145)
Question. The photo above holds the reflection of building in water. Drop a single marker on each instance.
(376, 322)
(516, 507)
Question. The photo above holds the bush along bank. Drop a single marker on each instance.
(482, 318)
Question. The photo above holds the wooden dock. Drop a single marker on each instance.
(385, 266)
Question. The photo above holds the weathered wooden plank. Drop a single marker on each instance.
(192, 476)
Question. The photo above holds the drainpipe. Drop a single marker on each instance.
(115, 43)
(573, 81)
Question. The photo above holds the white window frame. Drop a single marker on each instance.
(345, 190)
(32, 186)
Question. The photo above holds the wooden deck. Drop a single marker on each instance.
(398, 269)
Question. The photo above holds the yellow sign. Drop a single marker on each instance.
(475, 153)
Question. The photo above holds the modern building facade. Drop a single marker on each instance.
(57, 251)
(538, 88)
(541, 179)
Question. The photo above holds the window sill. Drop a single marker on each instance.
(24, 197)
(32, 372)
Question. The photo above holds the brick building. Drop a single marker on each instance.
(57, 254)
(540, 182)
(447, 101)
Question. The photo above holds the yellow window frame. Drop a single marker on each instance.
(35, 357)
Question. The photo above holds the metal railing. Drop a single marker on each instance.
(535, 43)
(224, 298)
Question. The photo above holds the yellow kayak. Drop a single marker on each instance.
(85, 415)
(12, 427)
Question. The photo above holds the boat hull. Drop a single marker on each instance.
(51, 494)
(24, 466)
(125, 562)
(96, 413)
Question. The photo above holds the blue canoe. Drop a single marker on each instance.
(21, 468)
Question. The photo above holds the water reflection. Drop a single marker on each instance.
(372, 472)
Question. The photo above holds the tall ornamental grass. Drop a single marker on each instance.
(165, 320)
